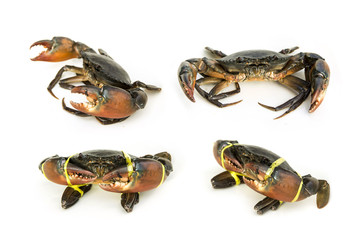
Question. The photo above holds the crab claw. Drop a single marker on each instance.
(319, 77)
(138, 180)
(187, 74)
(109, 102)
(53, 170)
(58, 49)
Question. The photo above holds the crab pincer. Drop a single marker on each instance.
(319, 75)
(110, 103)
(58, 49)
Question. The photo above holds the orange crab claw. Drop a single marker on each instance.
(53, 170)
(58, 49)
(109, 102)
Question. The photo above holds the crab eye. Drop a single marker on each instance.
(240, 59)
(321, 75)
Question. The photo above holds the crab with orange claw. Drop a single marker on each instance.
(114, 171)
(256, 65)
(111, 96)
(266, 173)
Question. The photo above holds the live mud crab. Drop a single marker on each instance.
(266, 173)
(114, 171)
(111, 96)
(256, 65)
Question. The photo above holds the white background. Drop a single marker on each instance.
(150, 39)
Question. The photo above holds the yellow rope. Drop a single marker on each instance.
(298, 191)
(42, 167)
(222, 153)
(75, 187)
(275, 164)
(129, 164)
(235, 176)
(163, 175)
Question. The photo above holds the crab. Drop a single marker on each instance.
(110, 95)
(256, 65)
(114, 171)
(267, 174)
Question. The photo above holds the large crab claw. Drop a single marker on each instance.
(109, 102)
(187, 74)
(58, 171)
(145, 174)
(319, 78)
(58, 49)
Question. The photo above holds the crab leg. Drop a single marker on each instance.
(128, 200)
(187, 74)
(267, 204)
(66, 68)
(216, 52)
(213, 96)
(297, 84)
(226, 179)
(288, 50)
(72, 195)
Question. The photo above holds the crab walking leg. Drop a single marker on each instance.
(226, 179)
(188, 70)
(217, 53)
(267, 204)
(128, 200)
(66, 68)
(288, 50)
(297, 84)
(72, 195)
(66, 83)
(214, 95)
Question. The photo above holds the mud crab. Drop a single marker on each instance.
(114, 171)
(256, 65)
(266, 173)
(111, 96)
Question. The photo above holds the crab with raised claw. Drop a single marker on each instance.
(114, 171)
(266, 173)
(256, 65)
(111, 96)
